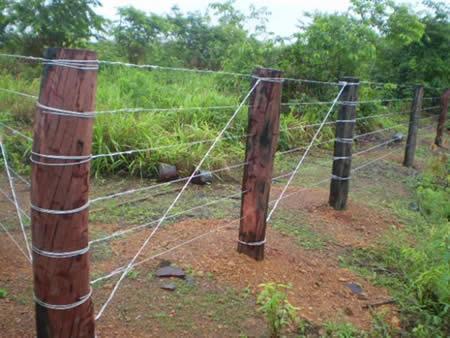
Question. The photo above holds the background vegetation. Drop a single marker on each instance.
(380, 40)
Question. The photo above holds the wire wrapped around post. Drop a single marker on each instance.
(414, 116)
(262, 140)
(342, 157)
(59, 195)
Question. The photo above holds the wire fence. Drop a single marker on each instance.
(314, 144)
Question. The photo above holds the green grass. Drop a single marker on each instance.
(120, 87)
(414, 262)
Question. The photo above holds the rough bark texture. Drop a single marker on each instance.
(263, 131)
(344, 130)
(63, 281)
(410, 149)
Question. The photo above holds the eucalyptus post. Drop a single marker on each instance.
(262, 140)
(59, 195)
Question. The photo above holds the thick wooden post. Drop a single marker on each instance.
(439, 141)
(263, 131)
(60, 182)
(410, 149)
(342, 158)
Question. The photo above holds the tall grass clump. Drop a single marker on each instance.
(170, 132)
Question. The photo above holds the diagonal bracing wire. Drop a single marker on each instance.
(121, 269)
(344, 85)
(145, 225)
(14, 197)
(130, 264)
(14, 241)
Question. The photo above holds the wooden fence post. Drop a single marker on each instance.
(59, 195)
(342, 156)
(262, 140)
(410, 149)
(439, 141)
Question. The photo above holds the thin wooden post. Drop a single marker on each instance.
(342, 158)
(263, 131)
(59, 195)
(439, 141)
(416, 108)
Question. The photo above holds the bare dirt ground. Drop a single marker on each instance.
(318, 282)
(305, 242)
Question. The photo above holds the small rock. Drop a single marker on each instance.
(202, 177)
(167, 172)
(341, 279)
(355, 288)
(168, 286)
(170, 271)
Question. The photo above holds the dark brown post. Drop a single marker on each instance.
(342, 158)
(263, 131)
(60, 182)
(439, 141)
(410, 149)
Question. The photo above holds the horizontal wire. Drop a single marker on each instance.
(143, 150)
(137, 227)
(16, 132)
(34, 97)
(303, 147)
(121, 269)
(178, 69)
(154, 186)
(430, 108)
(196, 238)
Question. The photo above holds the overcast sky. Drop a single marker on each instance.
(283, 21)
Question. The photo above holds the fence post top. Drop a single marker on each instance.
(267, 72)
(55, 52)
(349, 79)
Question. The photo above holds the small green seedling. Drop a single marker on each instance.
(3, 293)
(275, 306)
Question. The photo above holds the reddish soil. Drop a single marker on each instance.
(318, 282)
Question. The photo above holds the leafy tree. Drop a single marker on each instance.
(36, 24)
(138, 32)
(333, 45)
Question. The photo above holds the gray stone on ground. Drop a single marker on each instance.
(168, 286)
(355, 288)
(170, 271)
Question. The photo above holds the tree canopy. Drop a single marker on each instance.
(374, 39)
